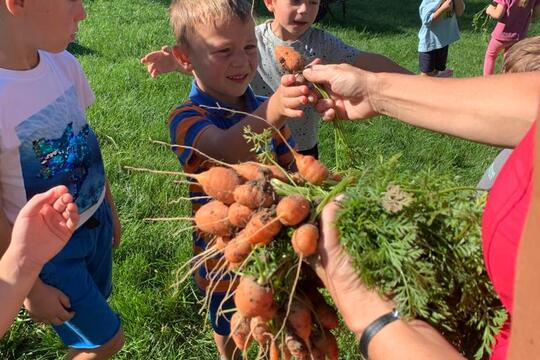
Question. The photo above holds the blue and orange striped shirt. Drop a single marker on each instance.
(186, 125)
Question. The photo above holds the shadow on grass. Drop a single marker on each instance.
(78, 49)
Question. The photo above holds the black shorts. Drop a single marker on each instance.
(433, 60)
(314, 151)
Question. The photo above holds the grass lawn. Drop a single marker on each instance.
(162, 322)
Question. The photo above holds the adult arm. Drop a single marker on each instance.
(442, 10)
(472, 108)
(378, 63)
(525, 336)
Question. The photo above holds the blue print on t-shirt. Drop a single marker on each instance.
(58, 147)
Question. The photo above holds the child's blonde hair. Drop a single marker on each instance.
(186, 15)
(523, 56)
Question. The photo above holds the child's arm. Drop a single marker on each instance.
(445, 7)
(459, 7)
(161, 62)
(496, 11)
(230, 146)
(378, 63)
(42, 228)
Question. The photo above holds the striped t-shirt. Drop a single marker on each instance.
(186, 124)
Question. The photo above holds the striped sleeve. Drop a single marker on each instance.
(186, 124)
(283, 153)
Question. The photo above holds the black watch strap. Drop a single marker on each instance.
(374, 328)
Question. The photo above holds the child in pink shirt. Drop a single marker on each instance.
(513, 18)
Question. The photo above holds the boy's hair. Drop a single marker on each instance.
(523, 56)
(185, 15)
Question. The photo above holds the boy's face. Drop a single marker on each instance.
(52, 24)
(292, 17)
(224, 58)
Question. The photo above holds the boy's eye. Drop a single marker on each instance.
(251, 47)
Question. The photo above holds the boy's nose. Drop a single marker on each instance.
(80, 12)
(302, 8)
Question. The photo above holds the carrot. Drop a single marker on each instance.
(299, 320)
(219, 182)
(297, 347)
(293, 209)
(221, 242)
(260, 330)
(290, 59)
(238, 249)
(255, 194)
(239, 215)
(262, 227)
(212, 218)
(274, 351)
(317, 354)
(252, 299)
(305, 240)
(325, 314)
(326, 342)
(311, 169)
(251, 170)
(240, 331)
(277, 173)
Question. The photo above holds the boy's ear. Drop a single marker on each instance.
(180, 52)
(269, 5)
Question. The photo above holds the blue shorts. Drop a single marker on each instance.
(83, 272)
(222, 323)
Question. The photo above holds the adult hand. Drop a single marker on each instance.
(349, 90)
(48, 305)
(44, 225)
(358, 305)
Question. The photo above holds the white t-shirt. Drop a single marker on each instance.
(314, 43)
(44, 137)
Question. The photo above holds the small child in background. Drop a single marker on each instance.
(513, 18)
(524, 56)
(439, 29)
(292, 26)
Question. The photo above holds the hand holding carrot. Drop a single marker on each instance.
(289, 98)
(358, 305)
(349, 90)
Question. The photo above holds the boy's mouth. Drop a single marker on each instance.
(237, 78)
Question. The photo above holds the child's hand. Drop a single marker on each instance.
(160, 62)
(48, 305)
(44, 225)
(289, 98)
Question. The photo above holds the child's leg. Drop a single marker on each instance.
(82, 271)
(426, 63)
(493, 50)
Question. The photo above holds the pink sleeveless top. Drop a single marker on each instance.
(502, 225)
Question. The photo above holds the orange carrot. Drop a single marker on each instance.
(260, 330)
(311, 169)
(219, 183)
(290, 59)
(296, 347)
(252, 299)
(305, 240)
(240, 331)
(239, 215)
(238, 249)
(255, 194)
(212, 218)
(293, 209)
(326, 342)
(251, 170)
(262, 227)
(274, 351)
(221, 242)
(299, 320)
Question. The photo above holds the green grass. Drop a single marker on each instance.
(131, 108)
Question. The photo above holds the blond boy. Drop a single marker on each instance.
(46, 141)
(216, 43)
